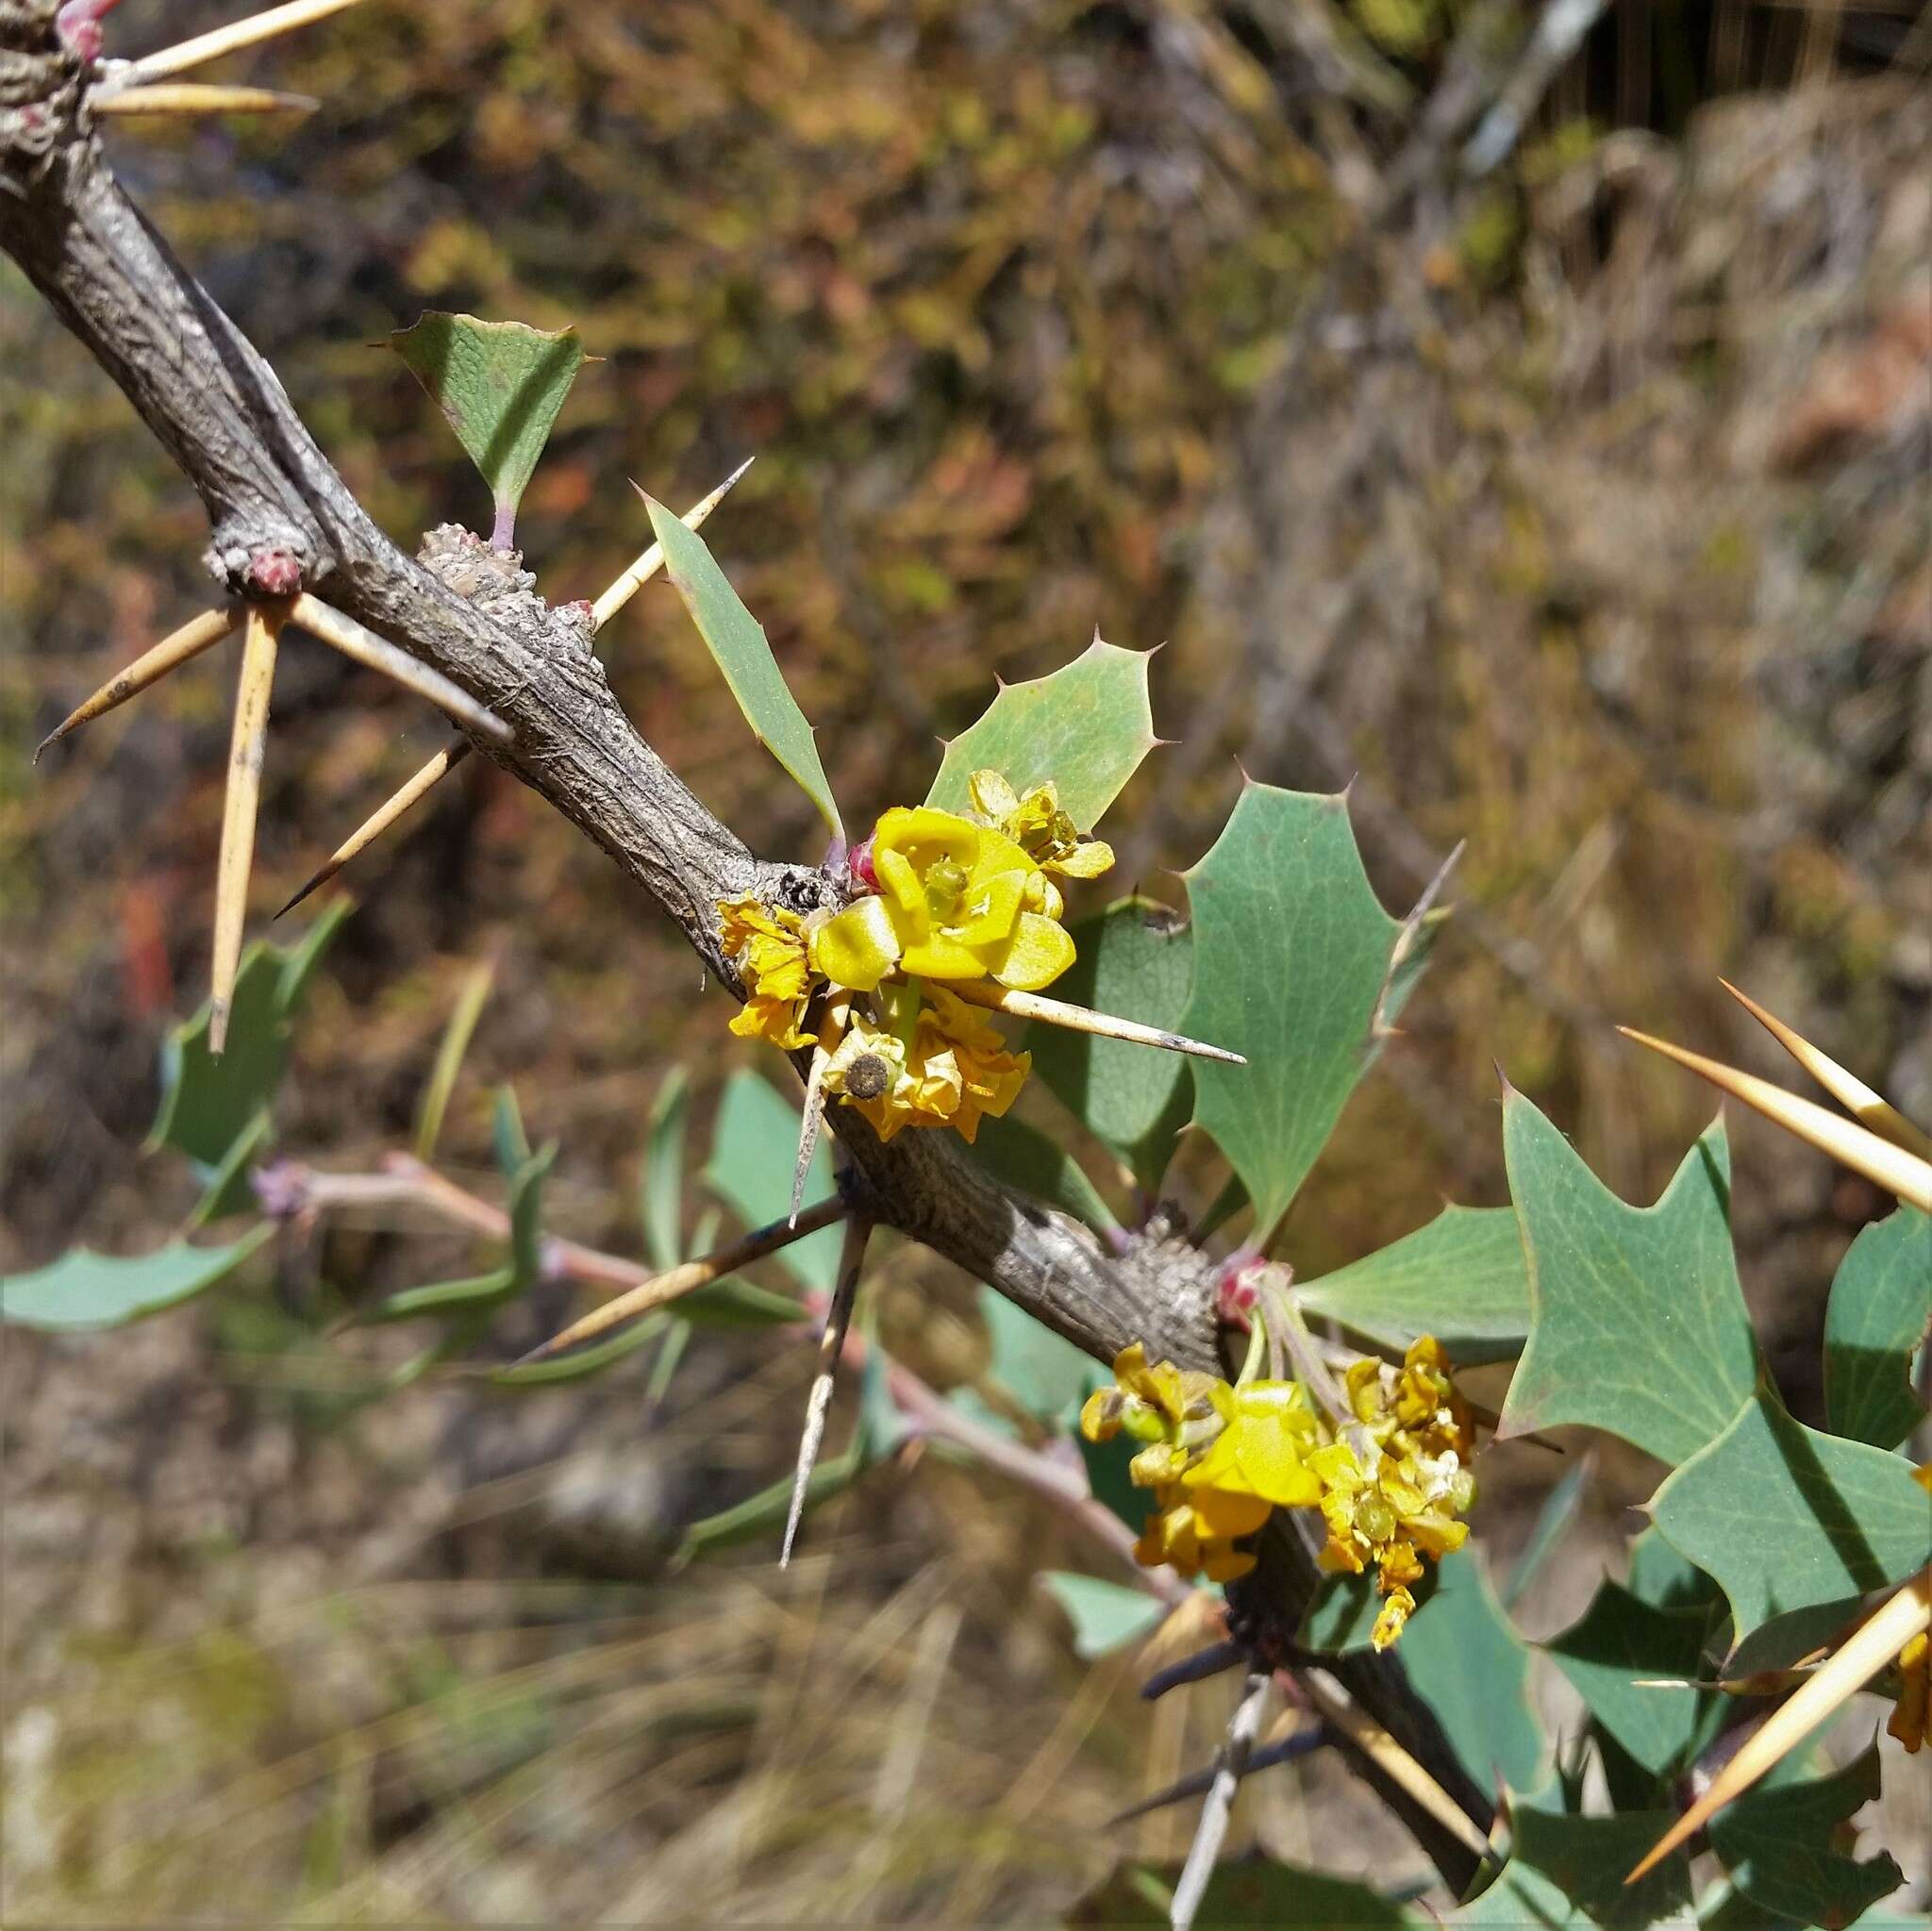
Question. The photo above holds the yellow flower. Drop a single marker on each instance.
(1038, 825)
(956, 1071)
(1397, 1608)
(956, 901)
(1909, 1718)
(768, 947)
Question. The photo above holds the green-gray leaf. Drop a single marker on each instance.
(738, 644)
(1136, 960)
(1044, 1372)
(1244, 1891)
(754, 1148)
(1104, 1614)
(1789, 1519)
(84, 1290)
(500, 384)
(1023, 1156)
(1619, 1654)
(1875, 1321)
(1461, 1278)
(1292, 948)
(1085, 728)
(1566, 1873)
(1778, 1843)
(661, 1194)
(1638, 1323)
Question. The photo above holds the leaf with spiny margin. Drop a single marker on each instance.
(661, 1194)
(1461, 1278)
(84, 1290)
(1615, 1654)
(1467, 1662)
(1874, 1323)
(1553, 1522)
(1252, 1891)
(1662, 1578)
(1104, 1614)
(1778, 1844)
(1566, 1873)
(500, 385)
(1292, 948)
(207, 1102)
(1638, 1323)
(739, 647)
(1136, 960)
(1027, 1158)
(1792, 1521)
(754, 1149)
(1044, 1372)
(1085, 728)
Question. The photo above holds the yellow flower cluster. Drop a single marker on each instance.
(955, 898)
(1390, 1480)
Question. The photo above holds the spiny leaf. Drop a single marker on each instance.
(1638, 1323)
(1085, 727)
(1461, 1278)
(1252, 1891)
(1614, 1655)
(500, 384)
(1042, 1371)
(1136, 960)
(1789, 1519)
(750, 1168)
(661, 1194)
(1023, 1156)
(1565, 1873)
(739, 647)
(449, 1057)
(1553, 1521)
(1291, 950)
(1874, 1324)
(1104, 1614)
(1778, 1844)
(84, 1290)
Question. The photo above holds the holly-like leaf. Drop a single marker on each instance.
(1616, 1653)
(1046, 1374)
(1874, 1323)
(754, 1148)
(1790, 1520)
(500, 385)
(1136, 960)
(1292, 949)
(1638, 1323)
(84, 1290)
(1085, 728)
(1566, 1873)
(1470, 1666)
(1104, 1614)
(1251, 1891)
(209, 1101)
(661, 1194)
(1778, 1844)
(739, 647)
(1023, 1156)
(1662, 1578)
(1461, 1278)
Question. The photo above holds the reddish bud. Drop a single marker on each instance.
(858, 863)
(275, 572)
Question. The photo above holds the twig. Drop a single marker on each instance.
(242, 799)
(1197, 1668)
(1290, 1739)
(178, 647)
(361, 645)
(837, 1319)
(1229, 1768)
(382, 818)
(229, 40)
(831, 1030)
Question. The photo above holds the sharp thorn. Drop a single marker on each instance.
(360, 643)
(651, 561)
(231, 39)
(178, 647)
(1081, 1019)
(185, 97)
(837, 1319)
(239, 812)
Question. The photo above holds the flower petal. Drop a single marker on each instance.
(1037, 952)
(858, 947)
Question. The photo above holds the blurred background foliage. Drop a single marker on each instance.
(1575, 508)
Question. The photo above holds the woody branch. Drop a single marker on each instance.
(283, 522)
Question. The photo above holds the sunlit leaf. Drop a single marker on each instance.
(1638, 1323)
(738, 644)
(1027, 1158)
(1789, 1519)
(84, 1290)
(1778, 1844)
(1046, 1374)
(1292, 949)
(1461, 1278)
(1104, 1614)
(500, 385)
(1086, 728)
(1874, 1324)
(1135, 960)
(754, 1146)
